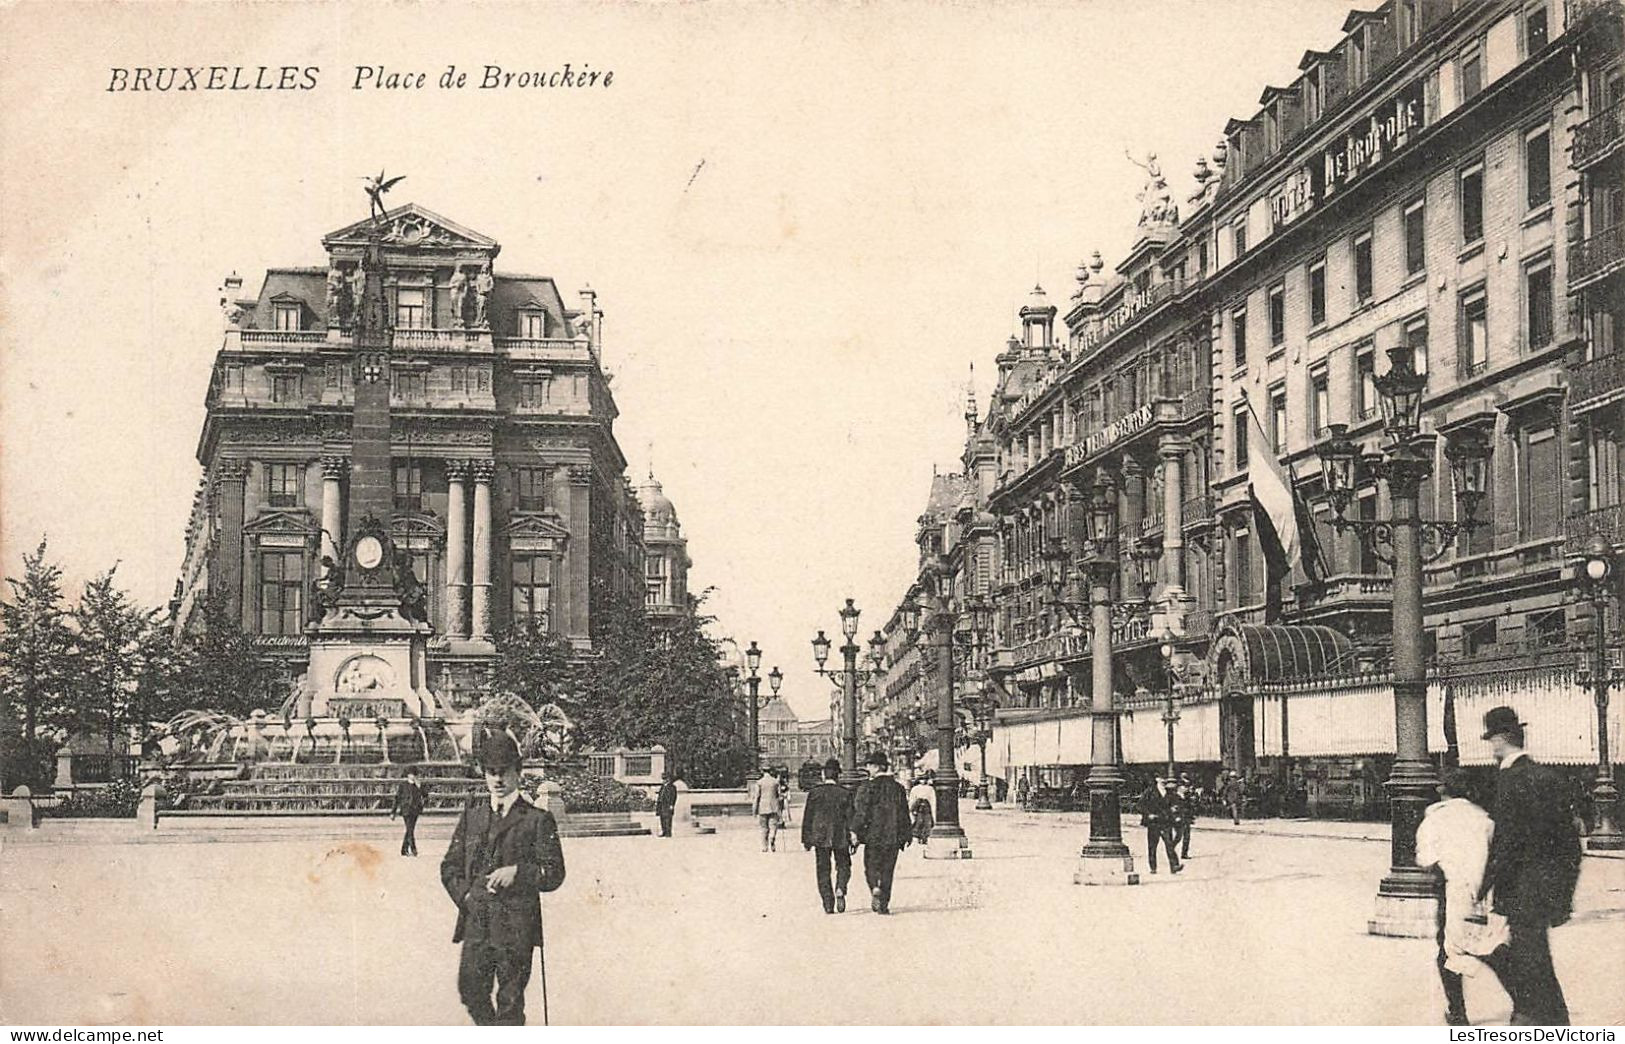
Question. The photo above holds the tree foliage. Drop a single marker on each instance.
(36, 670)
(642, 685)
(215, 665)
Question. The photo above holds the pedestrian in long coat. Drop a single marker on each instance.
(410, 797)
(666, 805)
(826, 831)
(765, 804)
(880, 820)
(1157, 816)
(1533, 868)
(922, 802)
(504, 853)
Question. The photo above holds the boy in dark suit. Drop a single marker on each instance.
(1534, 865)
(881, 821)
(409, 800)
(826, 828)
(503, 855)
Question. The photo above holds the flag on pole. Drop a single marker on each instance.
(1286, 529)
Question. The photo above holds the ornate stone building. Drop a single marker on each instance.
(665, 554)
(1435, 180)
(500, 467)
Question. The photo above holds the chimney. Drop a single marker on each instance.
(592, 320)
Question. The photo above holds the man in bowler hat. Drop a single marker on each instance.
(503, 855)
(666, 804)
(1533, 867)
(826, 829)
(881, 822)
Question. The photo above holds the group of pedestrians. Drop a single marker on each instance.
(836, 821)
(1167, 810)
(1523, 857)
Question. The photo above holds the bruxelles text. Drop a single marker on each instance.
(366, 77)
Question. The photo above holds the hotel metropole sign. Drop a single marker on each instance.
(1388, 130)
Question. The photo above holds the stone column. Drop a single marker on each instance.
(231, 476)
(1172, 450)
(579, 553)
(333, 471)
(457, 547)
(1131, 510)
(480, 627)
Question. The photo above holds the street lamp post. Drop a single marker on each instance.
(851, 775)
(1104, 859)
(1170, 712)
(982, 721)
(948, 839)
(1597, 573)
(1406, 898)
(753, 661)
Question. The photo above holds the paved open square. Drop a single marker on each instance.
(1260, 928)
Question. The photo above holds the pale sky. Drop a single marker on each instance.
(790, 328)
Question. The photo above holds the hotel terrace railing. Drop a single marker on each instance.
(1597, 257)
(1199, 622)
(428, 340)
(1599, 137)
(1609, 522)
(1595, 379)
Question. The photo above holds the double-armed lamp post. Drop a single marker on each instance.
(960, 621)
(1105, 859)
(851, 775)
(1406, 897)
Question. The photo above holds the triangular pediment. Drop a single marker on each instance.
(539, 527)
(410, 225)
(282, 522)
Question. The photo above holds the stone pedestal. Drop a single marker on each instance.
(19, 806)
(146, 813)
(1105, 864)
(948, 846)
(1404, 916)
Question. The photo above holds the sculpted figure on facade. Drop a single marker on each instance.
(459, 299)
(1156, 202)
(335, 296)
(358, 291)
(483, 286)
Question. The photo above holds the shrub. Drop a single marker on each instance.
(583, 792)
(117, 800)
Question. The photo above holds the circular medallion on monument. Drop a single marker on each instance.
(368, 552)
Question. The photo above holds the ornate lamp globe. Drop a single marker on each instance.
(1102, 518)
(820, 646)
(1400, 390)
(849, 619)
(1469, 457)
(1598, 565)
(877, 649)
(753, 658)
(1337, 457)
(775, 678)
(1055, 567)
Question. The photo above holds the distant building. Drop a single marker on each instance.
(665, 554)
(788, 741)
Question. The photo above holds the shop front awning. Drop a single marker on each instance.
(1248, 655)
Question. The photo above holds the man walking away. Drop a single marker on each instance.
(1454, 837)
(1234, 793)
(1157, 818)
(1534, 865)
(409, 801)
(503, 855)
(880, 821)
(765, 804)
(666, 804)
(826, 831)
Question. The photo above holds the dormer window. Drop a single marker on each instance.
(1311, 96)
(286, 314)
(533, 323)
(1410, 22)
(1357, 57)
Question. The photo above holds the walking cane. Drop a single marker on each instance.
(541, 934)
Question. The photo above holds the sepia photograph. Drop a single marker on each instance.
(889, 514)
